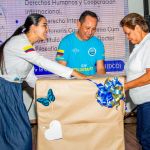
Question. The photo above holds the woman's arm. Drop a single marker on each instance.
(79, 75)
(142, 80)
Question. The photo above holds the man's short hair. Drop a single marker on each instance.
(87, 13)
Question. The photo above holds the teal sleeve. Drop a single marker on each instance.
(62, 54)
(100, 55)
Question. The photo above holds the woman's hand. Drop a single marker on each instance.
(79, 75)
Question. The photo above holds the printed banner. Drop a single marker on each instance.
(62, 16)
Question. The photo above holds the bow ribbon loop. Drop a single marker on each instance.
(110, 93)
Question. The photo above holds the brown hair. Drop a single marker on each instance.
(133, 19)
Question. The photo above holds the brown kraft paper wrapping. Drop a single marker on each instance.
(86, 125)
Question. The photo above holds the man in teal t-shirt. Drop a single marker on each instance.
(81, 50)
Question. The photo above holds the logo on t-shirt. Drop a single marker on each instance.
(75, 50)
(92, 51)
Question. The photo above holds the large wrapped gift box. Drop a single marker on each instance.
(86, 125)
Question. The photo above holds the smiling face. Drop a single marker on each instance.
(135, 36)
(87, 29)
(41, 29)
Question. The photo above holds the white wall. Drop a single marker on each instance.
(136, 6)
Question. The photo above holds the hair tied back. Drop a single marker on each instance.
(23, 30)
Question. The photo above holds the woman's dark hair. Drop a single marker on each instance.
(87, 13)
(32, 19)
(133, 19)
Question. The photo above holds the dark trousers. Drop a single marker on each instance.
(143, 125)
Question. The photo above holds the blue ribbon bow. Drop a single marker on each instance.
(47, 100)
(110, 93)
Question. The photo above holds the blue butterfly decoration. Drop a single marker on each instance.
(47, 100)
